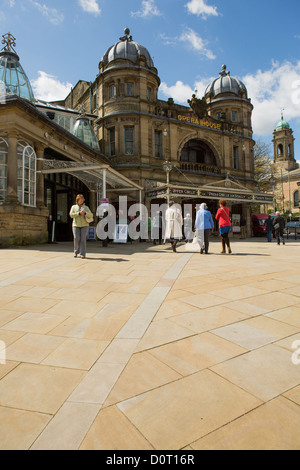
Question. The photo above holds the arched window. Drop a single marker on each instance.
(280, 150)
(26, 174)
(296, 198)
(196, 151)
(3, 169)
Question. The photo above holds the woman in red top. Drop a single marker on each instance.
(224, 225)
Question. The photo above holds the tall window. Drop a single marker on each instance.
(158, 144)
(112, 91)
(129, 89)
(3, 169)
(236, 158)
(296, 198)
(234, 116)
(26, 174)
(112, 141)
(129, 140)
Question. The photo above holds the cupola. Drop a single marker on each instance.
(84, 131)
(13, 79)
(127, 49)
(225, 85)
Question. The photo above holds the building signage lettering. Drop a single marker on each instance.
(225, 195)
(186, 192)
(213, 195)
(199, 122)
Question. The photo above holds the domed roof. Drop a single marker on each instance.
(84, 131)
(13, 79)
(282, 124)
(225, 84)
(127, 49)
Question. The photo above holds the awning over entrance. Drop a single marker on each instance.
(97, 177)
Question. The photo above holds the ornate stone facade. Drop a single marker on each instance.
(204, 142)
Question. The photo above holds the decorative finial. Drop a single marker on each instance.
(9, 42)
(82, 110)
(282, 114)
(224, 72)
(127, 36)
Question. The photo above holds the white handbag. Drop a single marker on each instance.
(89, 219)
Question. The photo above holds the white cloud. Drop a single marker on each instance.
(90, 6)
(54, 16)
(167, 40)
(147, 10)
(198, 44)
(179, 92)
(182, 92)
(48, 88)
(200, 8)
(271, 91)
(192, 40)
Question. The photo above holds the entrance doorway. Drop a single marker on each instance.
(60, 194)
(195, 203)
(64, 222)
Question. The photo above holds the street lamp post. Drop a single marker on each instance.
(272, 182)
(167, 166)
(289, 183)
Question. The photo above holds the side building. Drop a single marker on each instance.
(48, 154)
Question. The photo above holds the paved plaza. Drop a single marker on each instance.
(140, 348)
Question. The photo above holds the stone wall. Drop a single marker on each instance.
(20, 225)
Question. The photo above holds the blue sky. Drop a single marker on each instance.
(62, 41)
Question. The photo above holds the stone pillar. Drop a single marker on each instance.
(247, 215)
(12, 170)
(40, 199)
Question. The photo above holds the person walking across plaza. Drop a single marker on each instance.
(243, 223)
(269, 229)
(156, 229)
(188, 228)
(279, 225)
(173, 231)
(204, 224)
(82, 217)
(223, 217)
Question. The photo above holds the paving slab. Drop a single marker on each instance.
(139, 348)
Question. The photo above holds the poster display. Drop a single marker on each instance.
(121, 233)
(236, 223)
